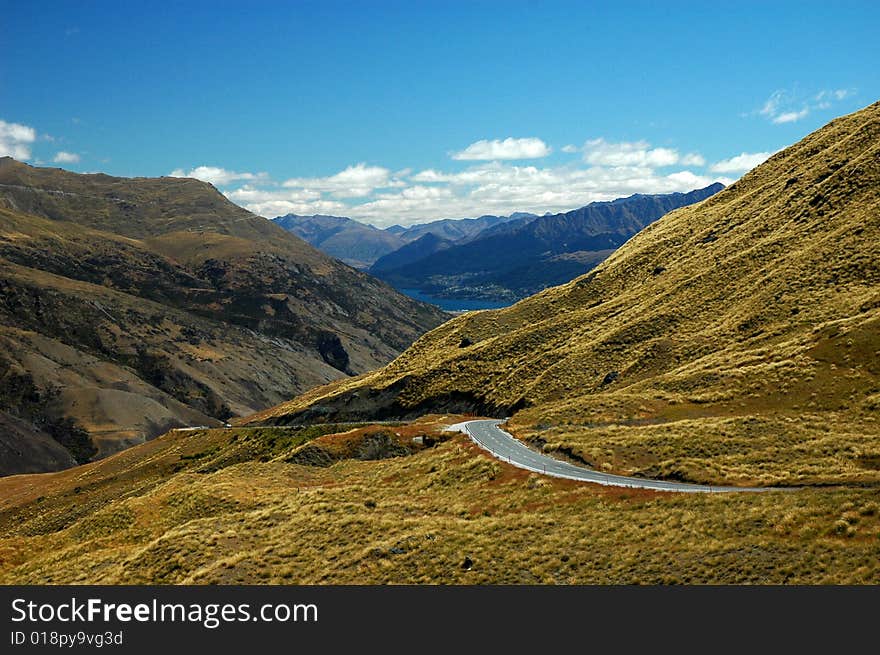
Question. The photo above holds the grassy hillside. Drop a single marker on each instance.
(137, 305)
(734, 341)
(372, 505)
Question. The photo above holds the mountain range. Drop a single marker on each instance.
(494, 258)
(132, 305)
(515, 259)
(361, 245)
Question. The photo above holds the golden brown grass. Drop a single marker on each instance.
(203, 508)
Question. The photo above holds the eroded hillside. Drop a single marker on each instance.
(136, 305)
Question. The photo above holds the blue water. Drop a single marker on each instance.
(455, 304)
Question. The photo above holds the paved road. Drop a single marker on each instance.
(487, 435)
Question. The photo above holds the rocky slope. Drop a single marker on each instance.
(134, 305)
(735, 340)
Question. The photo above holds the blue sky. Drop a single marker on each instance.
(394, 112)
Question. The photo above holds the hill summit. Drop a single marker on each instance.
(734, 340)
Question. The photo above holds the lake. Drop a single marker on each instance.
(455, 304)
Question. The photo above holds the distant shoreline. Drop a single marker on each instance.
(455, 305)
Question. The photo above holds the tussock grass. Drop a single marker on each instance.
(443, 515)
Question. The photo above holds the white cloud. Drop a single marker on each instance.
(430, 175)
(309, 195)
(570, 148)
(217, 176)
(834, 94)
(63, 157)
(743, 162)
(376, 195)
(510, 148)
(600, 152)
(415, 201)
(356, 181)
(500, 188)
(16, 140)
(252, 194)
(271, 203)
(687, 181)
(273, 208)
(789, 107)
(791, 116)
(693, 159)
(771, 106)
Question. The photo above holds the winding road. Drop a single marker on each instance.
(486, 434)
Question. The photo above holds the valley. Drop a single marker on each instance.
(730, 347)
(491, 261)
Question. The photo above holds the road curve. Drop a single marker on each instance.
(486, 434)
